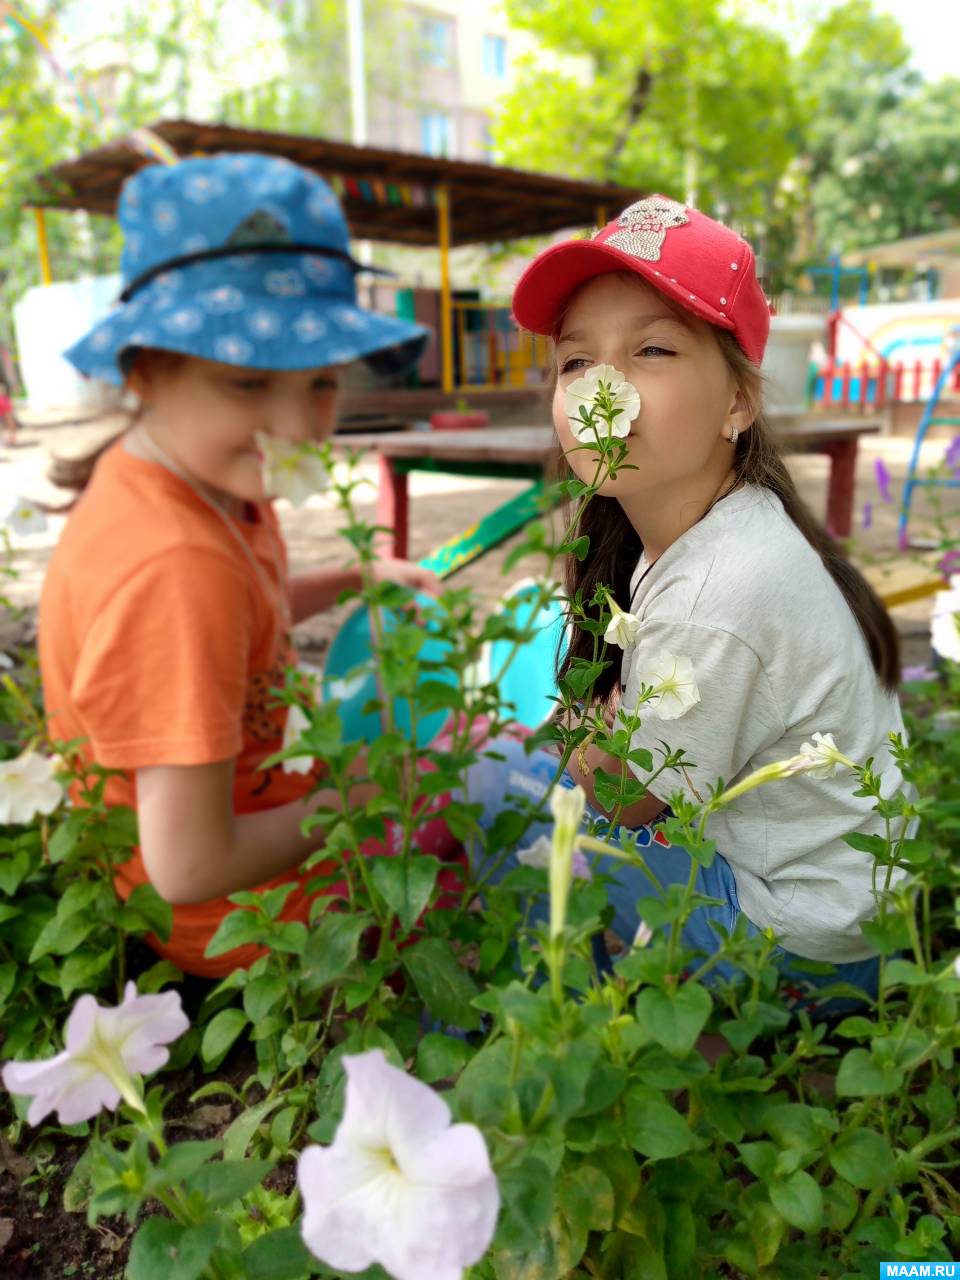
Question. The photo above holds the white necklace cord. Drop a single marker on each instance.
(275, 597)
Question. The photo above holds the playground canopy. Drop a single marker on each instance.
(394, 196)
(936, 249)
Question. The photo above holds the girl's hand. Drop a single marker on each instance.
(406, 574)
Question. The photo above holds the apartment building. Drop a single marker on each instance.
(461, 57)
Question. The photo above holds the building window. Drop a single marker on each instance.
(436, 134)
(495, 56)
(436, 42)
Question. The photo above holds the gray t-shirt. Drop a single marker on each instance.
(777, 655)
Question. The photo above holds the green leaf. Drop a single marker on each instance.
(798, 1201)
(279, 1255)
(238, 929)
(165, 1248)
(58, 937)
(760, 1158)
(332, 947)
(441, 1057)
(220, 1033)
(238, 1136)
(227, 1180)
(183, 1159)
(652, 1126)
(864, 1158)
(261, 994)
(840, 1204)
(861, 1075)
(887, 935)
(442, 983)
(406, 885)
(80, 971)
(146, 912)
(583, 676)
(674, 1020)
(526, 1196)
(586, 1198)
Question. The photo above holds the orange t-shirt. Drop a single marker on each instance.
(159, 646)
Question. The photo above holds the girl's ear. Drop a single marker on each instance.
(740, 415)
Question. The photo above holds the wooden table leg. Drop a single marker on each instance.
(393, 508)
(843, 473)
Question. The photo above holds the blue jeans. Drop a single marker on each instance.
(489, 782)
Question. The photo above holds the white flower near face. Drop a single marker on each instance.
(284, 284)
(264, 324)
(290, 471)
(956, 966)
(25, 517)
(623, 627)
(538, 854)
(944, 625)
(104, 1047)
(399, 1185)
(308, 326)
(233, 349)
(582, 393)
(6, 662)
(671, 678)
(297, 723)
(28, 788)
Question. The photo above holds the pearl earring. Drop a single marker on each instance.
(734, 434)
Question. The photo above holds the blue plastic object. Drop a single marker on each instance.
(528, 682)
(930, 418)
(348, 675)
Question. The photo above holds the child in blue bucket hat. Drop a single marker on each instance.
(166, 609)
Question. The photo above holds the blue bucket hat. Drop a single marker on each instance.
(243, 259)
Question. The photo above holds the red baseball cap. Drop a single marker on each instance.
(692, 259)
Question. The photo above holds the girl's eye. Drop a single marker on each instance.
(325, 384)
(575, 362)
(248, 384)
(657, 351)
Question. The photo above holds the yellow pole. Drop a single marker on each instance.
(601, 216)
(45, 273)
(446, 294)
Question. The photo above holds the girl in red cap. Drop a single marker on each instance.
(727, 590)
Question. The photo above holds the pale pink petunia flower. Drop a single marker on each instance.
(104, 1048)
(399, 1185)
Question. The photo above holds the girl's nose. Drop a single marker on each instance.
(293, 423)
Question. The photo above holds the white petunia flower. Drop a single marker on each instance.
(297, 722)
(568, 808)
(587, 393)
(399, 1185)
(644, 935)
(623, 627)
(673, 683)
(28, 787)
(104, 1047)
(821, 758)
(290, 471)
(944, 625)
(538, 854)
(25, 517)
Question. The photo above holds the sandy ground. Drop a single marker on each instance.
(440, 507)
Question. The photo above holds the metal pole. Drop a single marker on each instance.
(358, 88)
(446, 293)
(46, 274)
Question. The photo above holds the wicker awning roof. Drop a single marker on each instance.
(386, 195)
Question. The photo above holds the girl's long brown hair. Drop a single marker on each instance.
(615, 545)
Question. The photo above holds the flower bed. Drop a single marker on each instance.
(426, 1081)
